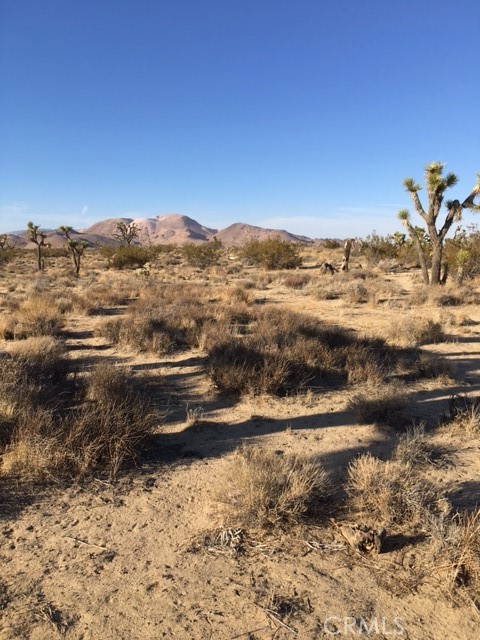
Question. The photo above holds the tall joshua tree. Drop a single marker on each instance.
(38, 238)
(126, 233)
(76, 248)
(437, 184)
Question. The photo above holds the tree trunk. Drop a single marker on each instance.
(347, 248)
(39, 258)
(436, 270)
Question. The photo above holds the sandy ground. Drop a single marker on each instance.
(129, 561)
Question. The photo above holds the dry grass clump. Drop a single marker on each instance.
(265, 489)
(380, 405)
(413, 331)
(102, 431)
(356, 293)
(464, 415)
(455, 548)
(365, 363)
(32, 373)
(412, 447)
(296, 280)
(428, 365)
(392, 493)
(38, 315)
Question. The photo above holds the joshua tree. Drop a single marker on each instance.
(437, 184)
(38, 238)
(76, 248)
(126, 233)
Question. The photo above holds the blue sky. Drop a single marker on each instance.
(297, 114)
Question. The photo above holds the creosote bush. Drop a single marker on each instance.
(265, 489)
(271, 254)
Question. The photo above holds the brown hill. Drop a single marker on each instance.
(240, 233)
(167, 229)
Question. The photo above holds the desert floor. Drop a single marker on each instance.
(142, 557)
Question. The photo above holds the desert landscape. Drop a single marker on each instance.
(197, 443)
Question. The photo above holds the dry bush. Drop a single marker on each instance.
(32, 373)
(412, 447)
(142, 333)
(367, 364)
(296, 280)
(244, 367)
(392, 493)
(38, 315)
(429, 365)
(454, 551)
(327, 290)
(264, 489)
(464, 415)
(36, 451)
(103, 431)
(356, 293)
(412, 331)
(380, 405)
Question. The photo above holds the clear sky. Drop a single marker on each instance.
(297, 114)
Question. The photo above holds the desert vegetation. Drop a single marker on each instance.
(302, 423)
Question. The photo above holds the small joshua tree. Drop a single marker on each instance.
(126, 233)
(76, 248)
(437, 184)
(38, 238)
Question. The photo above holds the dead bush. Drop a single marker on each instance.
(37, 316)
(392, 493)
(412, 447)
(455, 551)
(413, 331)
(296, 280)
(102, 432)
(265, 489)
(32, 373)
(464, 415)
(381, 405)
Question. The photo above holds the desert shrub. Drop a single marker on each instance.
(271, 254)
(412, 447)
(126, 256)
(367, 364)
(103, 431)
(243, 367)
(38, 315)
(356, 293)
(7, 255)
(464, 415)
(428, 365)
(32, 373)
(455, 547)
(296, 281)
(203, 255)
(140, 333)
(264, 489)
(380, 405)
(331, 244)
(413, 331)
(392, 493)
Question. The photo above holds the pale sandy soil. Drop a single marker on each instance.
(127, 561)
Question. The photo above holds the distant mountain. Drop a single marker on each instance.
(240, 233)
(168, 229)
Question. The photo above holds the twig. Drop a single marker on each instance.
(247, 633)
(86, 544)
(273, 616)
